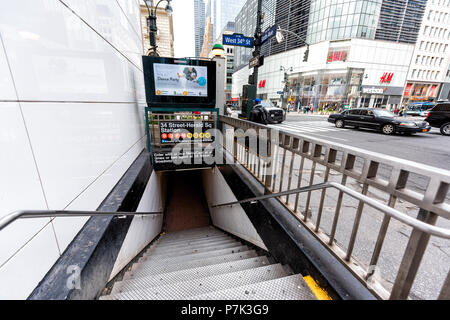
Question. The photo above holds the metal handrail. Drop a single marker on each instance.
(26, 214)
(289, 152)
(400, 216)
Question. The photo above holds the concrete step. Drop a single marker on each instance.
(203, 243)
(286, 288)
(187, 251)
(185, 265)
(148, 260)
(170, 242)
(192, 233)
(167, 242)
(185, 289)
(193, 273)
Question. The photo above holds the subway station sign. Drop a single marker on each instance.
(186, 131)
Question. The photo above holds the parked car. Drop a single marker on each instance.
(274, 114)
(439, 117)
(377, 119)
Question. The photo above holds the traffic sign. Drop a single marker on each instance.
(268, 34)
(237, 39)
(256, 62)
(279, 92)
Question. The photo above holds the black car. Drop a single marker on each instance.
(439, 117)
(377, 119)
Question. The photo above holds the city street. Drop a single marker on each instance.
(430, 148)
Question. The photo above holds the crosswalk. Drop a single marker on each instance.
(306, 127)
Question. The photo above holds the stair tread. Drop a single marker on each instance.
(286, 288)
(165, 244)
(191, 234)
(193, 273)
(191, 250)
(185, 289)
(147, 260)
(165, 268)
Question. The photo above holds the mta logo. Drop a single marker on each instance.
(387, 77)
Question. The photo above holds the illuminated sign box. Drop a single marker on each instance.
(176, 83)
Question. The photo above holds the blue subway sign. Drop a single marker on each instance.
(269, 34)
(237, 39)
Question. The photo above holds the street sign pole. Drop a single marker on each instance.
(257, 50)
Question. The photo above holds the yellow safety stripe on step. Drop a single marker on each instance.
(319, 292)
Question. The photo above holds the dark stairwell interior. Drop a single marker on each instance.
(186, 204)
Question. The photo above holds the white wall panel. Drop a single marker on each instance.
(20, 275)
(133, 14)
(143, 229)
(7, 91)
(82, 100)
(79, 143)
(232, 219)
(19, 181)
(109, 20)
(67, 228)
(55, 56)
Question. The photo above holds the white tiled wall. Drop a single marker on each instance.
(71, 121)
(145, 228)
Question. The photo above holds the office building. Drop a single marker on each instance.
(355, 58)
(431, 58)
(208, 38)
(199, 25)
(222, 11)
(229, 56)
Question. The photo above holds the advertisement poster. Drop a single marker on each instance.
(186, 131)
(180, 80)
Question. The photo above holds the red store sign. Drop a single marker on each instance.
(262, 84)
(337, 56)
(386, 77)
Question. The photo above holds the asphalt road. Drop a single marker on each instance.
(430, 148)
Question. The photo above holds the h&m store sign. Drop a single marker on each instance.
(337, 54)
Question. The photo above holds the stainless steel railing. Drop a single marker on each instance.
(393, 213)
(27, 214)
(294, 163)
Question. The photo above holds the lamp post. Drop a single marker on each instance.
(286, 87)
(151, 23)
(280, 38)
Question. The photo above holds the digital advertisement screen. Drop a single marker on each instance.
(179, 83)
(180, 80)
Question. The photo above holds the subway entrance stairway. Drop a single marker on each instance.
(207, 264)
(192, 259)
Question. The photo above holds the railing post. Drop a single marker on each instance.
(414, 252)
(445, 291)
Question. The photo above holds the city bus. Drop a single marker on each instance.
(419, 108)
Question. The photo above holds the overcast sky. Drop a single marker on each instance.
(183, 25)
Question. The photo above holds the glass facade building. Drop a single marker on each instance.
(400, 20)
(199, 25)
(222, 11)
(338, 19)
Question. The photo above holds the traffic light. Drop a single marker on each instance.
(305, 55)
